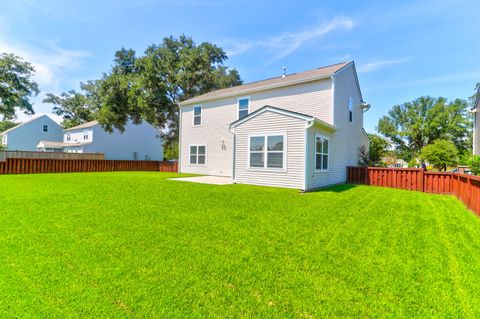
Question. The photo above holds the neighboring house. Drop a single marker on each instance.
(476, 125)
(393, 162)
(26, 136)
(137, 142)
(299, 131)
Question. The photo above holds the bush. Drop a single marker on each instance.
(474, 164)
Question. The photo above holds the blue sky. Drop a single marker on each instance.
(402, 49)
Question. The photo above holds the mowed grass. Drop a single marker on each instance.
(139, 245)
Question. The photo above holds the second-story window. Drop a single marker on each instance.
(350, 109)
(69, 137)
(45, 128)
(85, 134)
(197, 115)
(243, 107)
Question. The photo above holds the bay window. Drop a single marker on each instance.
(321, 153)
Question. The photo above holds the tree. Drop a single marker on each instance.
(474, 164)
(16, 86)
(76, 107)
(441, 154)
(151, 86)
(418, 123)
(5, 125)
(376, 151)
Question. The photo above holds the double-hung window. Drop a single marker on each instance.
(267, 151)
(197, 115)
(45, 128)
(69, 137)
(85, 134)
(243, 107)
(321, 153)
(350, 109)
(198, 154)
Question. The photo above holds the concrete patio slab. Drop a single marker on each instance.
(214, 180)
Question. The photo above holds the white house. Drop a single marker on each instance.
(476, 125)
(137, 142)
(299, 131)
(26, 136)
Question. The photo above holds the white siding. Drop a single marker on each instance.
(347, 139)
(314, 99)
(268, 123)
(76, 136)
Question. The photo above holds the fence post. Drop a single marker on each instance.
(422, 181)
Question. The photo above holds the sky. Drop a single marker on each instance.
(402, 49)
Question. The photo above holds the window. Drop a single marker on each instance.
(85, 134)
(197, 115)
(350, 109)
(267, 151)
(69, 137)
(198, 154)
(321, 153)
(45, 128)
(243, 107)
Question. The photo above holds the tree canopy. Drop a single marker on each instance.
(413, 125)
(441, 154)
(5, 125)
(378, 147)
(16, 86)
(148, 87)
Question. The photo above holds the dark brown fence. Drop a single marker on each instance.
(464, 187)
(31, 166)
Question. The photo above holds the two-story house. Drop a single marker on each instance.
(137, 142)
(476, 125)
(26, 136)
(299, 131)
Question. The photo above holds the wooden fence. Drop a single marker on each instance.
(464, 187)
(41, 165)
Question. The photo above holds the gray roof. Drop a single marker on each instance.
(84, 125)
(279, 81)
(55, 144)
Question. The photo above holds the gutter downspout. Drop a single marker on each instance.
(308, 125)
(234, 150)
(179, 141)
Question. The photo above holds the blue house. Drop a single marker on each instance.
(26, 136)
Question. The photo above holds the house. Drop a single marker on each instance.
(476, 125)
(137, 142)
(26, 136)
(393, 162)
(299, 131)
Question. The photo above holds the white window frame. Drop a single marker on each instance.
(86, 134)
(238, 105)
(190, 154)
(201, 115)
(265, 152)
(43, 128)
(68, 137)
(321, 170)
(350, 109)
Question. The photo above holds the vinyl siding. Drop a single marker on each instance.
(268, 123)
(476, 132)
(314, 98)
(345, 141)
(27, 136)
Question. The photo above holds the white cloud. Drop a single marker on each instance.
(378, 64)
(50, 60)
(287, 43)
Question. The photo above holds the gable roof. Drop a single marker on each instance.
(301, 116)
(280, 81)
(25, 123)
(84, 125)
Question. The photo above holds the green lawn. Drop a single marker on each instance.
(139, 245)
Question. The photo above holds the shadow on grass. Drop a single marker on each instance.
(335, 189)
